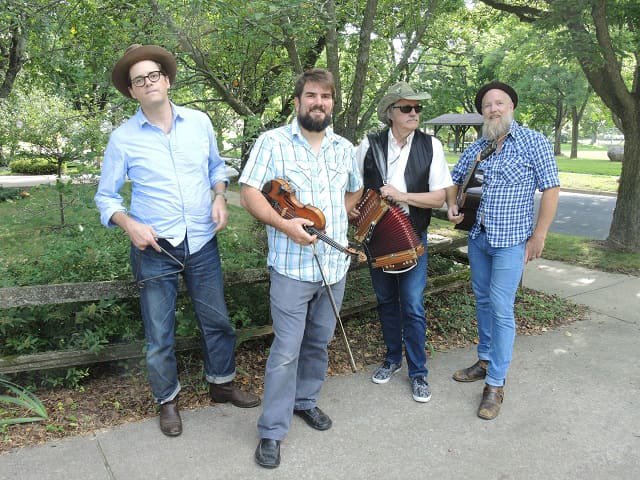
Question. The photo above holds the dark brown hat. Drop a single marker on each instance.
(137, 53)
(499, 86)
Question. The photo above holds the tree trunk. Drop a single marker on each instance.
(333, 60)
(557, 127)
(348, 121)
(625, 228)
(15, 61)
(575, 126)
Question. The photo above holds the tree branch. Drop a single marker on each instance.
(524, 13)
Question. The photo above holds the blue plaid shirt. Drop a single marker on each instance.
(320, 180)
(525, 162)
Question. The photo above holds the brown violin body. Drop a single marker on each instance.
(282, 198)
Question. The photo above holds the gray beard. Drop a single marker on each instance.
(494, 130)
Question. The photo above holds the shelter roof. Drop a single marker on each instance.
(457, 119)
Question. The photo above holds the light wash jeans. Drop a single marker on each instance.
(303, 324)
(401, 313)
(495, 276)
(203, 278)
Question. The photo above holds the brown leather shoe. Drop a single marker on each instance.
(226, 392)
(170, 421)
(491, 401)
(477, 371)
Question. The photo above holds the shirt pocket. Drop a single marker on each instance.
(338, 175)
(516, 172)
(298, 175)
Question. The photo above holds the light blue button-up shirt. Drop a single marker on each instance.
(320, 180)
(171, 174)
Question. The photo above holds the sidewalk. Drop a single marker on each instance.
(571, 411)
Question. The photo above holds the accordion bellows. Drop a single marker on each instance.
(386, 233)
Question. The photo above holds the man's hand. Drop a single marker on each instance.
(219, 213)
(391, 193)
(142, 235)
(353, 213)
(533, 248)
(294, 229)
(454, 215)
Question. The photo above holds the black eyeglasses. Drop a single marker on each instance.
(408, 108)
(152, 76)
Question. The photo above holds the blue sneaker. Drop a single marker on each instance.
(384, 372)
(420, 389)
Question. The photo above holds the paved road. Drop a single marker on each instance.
(582, 215)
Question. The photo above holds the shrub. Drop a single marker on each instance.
(35, 166)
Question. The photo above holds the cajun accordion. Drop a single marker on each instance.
(387, 234)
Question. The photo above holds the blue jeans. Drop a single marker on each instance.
(203, 278)
(495, 276)
(401, 313)
(303, 324)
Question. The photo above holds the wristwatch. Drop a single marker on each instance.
(222, 194)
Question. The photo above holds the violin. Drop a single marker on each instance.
(283, 199)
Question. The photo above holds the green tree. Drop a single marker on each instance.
(604, 36)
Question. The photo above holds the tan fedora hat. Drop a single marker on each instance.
(398, 91)
(137, 53)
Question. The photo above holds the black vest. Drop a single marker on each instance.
(416, 173)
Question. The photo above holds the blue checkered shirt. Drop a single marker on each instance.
(525, 162)
(320, 180)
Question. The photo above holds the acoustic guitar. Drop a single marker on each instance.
(470, 193)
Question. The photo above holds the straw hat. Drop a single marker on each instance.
(399, 91)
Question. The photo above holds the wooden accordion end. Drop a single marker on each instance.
(387, 234)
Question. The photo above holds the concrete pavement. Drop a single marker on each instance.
(571, 411)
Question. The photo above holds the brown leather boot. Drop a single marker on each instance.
(227, 392)
(170, 421)
(477, 371)
(491, 401)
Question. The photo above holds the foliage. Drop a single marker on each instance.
(20, 399)
(34, 166)
(10, 194)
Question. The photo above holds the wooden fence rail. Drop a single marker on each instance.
(91, 291)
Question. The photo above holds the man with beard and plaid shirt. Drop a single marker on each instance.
(321, 168)
(503, 238)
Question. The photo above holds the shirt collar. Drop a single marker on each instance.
(177, 113)
(394, 142)
(297, 132)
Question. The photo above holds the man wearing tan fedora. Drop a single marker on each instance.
(407, 167)
(170, 155)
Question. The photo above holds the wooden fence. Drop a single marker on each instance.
(13, 297)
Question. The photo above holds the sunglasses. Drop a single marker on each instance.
(408, 108)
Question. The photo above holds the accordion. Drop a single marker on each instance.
(387, 234)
